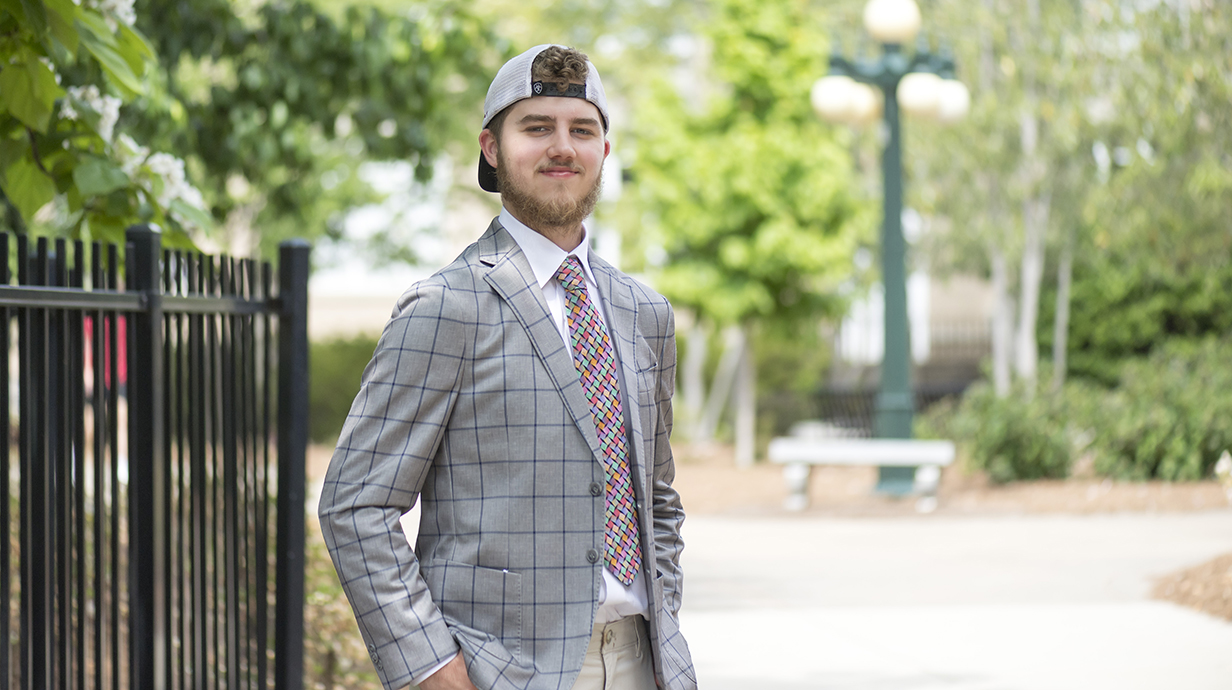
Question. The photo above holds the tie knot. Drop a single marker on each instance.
(570, 274)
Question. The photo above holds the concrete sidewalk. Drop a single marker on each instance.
(931, 603)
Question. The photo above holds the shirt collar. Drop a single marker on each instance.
(543, 254)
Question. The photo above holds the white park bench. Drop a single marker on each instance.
(799, 453)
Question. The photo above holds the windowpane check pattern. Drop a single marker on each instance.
(596, 364)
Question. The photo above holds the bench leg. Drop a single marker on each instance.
(927, 479)
(796, 476)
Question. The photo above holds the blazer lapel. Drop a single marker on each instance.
(511, 276)
(621, 316)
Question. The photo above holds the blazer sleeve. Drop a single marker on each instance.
(668, 515)
(383, 455)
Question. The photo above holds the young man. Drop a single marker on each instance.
(523, 396)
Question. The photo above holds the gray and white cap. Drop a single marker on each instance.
(513, 83)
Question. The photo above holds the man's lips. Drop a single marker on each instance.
(560, 171)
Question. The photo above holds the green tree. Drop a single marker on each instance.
(748, 193)
(65, 71)
(1156, 263)
(270, 108)
(279, 103)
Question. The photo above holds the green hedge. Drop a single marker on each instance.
(1168, 417)
(1171, 416)
(1010, 438)
(336, 368)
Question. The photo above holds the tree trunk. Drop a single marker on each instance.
(721, 387)
(746, 404)
(1026, 350)
(692, 379)
(1060, 327)
(1035, 209)
(1002, 322)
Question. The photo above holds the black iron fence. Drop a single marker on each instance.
(156, 422)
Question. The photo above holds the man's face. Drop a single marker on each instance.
(549, 161)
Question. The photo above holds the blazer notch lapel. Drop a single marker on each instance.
(511, 277)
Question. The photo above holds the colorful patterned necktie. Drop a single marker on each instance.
(596, 364)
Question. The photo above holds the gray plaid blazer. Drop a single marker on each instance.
(472, 405)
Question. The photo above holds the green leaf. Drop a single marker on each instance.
(97, 176)
(103, 46)
(192, 214)
(61, 18)
(135, 48)
(36, 16)
(29, 91)
(28, 187)
(92, 24)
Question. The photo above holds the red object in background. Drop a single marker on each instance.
(121, 372)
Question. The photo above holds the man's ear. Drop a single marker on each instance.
(487, 144)
(607, 147)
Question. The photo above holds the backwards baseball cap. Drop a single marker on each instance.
(514, 83)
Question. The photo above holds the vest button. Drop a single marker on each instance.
(592, 556)
(595, 489)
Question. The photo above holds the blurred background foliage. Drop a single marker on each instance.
(268, 109)
(1165, 417)
(1089, 183)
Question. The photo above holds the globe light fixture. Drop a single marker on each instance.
(865, 105)
(892, 21)
(918, 83)
(838, 98)
(954, 101)
(920, 94)
(832, 97)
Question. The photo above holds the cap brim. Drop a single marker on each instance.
(487, 175)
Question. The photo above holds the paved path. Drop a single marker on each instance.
(931, 603)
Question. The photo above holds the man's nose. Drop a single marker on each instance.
(561, 146)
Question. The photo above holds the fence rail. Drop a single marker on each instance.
(156, 417)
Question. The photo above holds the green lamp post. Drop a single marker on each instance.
(921, 84)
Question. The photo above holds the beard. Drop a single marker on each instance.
(538, 213)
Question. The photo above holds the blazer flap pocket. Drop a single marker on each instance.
(485, 599)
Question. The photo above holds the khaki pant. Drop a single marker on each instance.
(618, 658)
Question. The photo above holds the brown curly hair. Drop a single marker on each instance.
(562, 66)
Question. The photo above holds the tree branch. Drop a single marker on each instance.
(34, 149)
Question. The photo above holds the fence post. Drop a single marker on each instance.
(147, 469)
(292, 450)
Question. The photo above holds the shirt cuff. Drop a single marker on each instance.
(428, 674)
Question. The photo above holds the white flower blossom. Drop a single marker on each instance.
(130, 154)
(109, 115)
(175, 183)
(67, 111)
(107, 107)
(118, 10)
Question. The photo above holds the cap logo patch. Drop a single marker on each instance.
(547, 88)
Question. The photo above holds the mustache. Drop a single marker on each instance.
(570, 166)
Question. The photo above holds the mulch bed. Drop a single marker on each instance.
(1206, 588)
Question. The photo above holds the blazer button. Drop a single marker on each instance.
(595, 489)
(592, 556)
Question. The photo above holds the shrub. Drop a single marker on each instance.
(336, 368)
(1166, 418)
(1171, 416)
(1010, 438)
